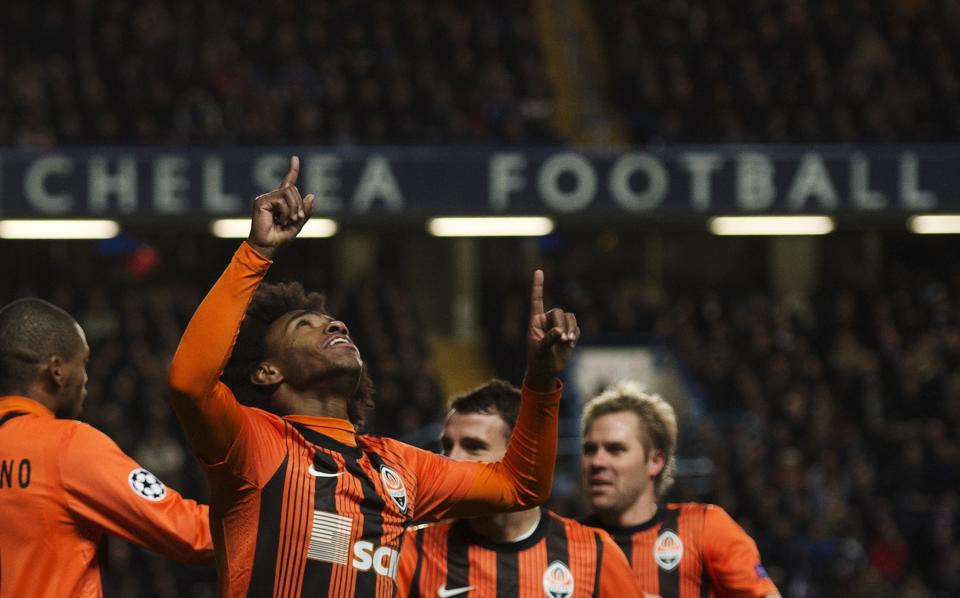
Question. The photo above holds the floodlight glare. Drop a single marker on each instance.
(934, 224)
(58, 229)
(771, 225)
(239, 228)
(490, 226)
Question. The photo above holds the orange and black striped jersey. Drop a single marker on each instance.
(692, 550)
(561, 559)
(303, 506)
(63, 485)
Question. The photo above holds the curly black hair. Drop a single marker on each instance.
(496, 397)
(271, 301)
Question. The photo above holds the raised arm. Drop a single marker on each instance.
(525, 475)
(205, 406)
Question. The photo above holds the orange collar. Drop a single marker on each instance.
(339, 429)
(18, 403)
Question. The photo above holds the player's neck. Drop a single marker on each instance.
(325, 396)
(507, 527)
(640, 512)
(35, 392)
(302, 404)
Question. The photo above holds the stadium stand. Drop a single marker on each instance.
(818, 71)
(174, 72)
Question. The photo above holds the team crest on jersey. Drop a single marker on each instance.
(393, 484)
(558, 581)
(146, 485)
(668, 550)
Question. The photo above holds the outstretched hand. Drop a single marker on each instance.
(279, 215)
(551, 337)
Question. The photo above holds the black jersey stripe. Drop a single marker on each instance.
(8, 416)
(598, 564)
(299, 519)
(557, 545)
(328, 443)
(415, 581)
(704, 582)
(285, 546)
(458, 561)
(317, 574)
(669, 580)
(371, 509)
(288, 522)
(625, 543)
(508, 574)
(268, 534)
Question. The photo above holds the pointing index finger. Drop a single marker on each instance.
(536, 294)
(291, 178)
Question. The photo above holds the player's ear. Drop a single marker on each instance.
(655, 463)
(266, 374)
(52, 371)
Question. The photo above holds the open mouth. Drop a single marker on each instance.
(340, 342)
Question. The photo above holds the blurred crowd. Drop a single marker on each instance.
(845, 465)
(791, 71)
(426, 71)
(833, 419)
(289, 71)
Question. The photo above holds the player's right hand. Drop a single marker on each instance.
(279, 215)
(551, 337)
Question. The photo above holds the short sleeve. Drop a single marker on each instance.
(732, 557)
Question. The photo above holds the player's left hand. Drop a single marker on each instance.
(551, 337)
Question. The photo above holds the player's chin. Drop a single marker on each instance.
(348, 364)
(601, 494)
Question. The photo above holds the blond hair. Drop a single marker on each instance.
(658, 423)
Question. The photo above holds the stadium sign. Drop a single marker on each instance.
(429, 181)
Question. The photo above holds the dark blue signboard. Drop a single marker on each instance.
(428, 181)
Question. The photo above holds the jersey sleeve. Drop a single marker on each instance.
(207, 410)
(409, 555)
(732, 558)
(523, 479)
(106, 488)
(616, 577)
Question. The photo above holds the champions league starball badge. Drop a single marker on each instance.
(146, 485)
